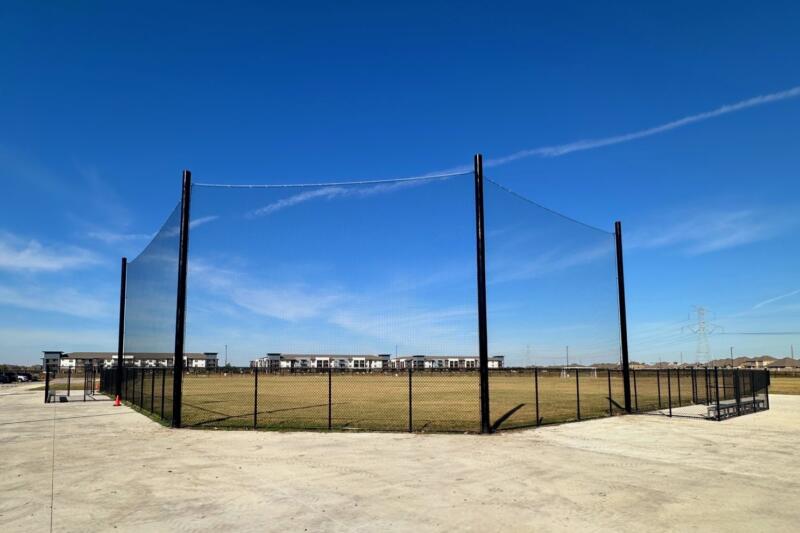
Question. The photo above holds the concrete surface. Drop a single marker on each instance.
(110, 469)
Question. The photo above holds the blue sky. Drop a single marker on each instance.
(103, 105)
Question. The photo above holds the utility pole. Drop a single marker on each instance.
(731, 356)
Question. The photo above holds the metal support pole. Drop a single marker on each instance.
(163, 380)
(678, 373)
(635, 390)
(766, 388)
(708, 386)
(123, 282)
(536, 389)
(46, 381)
(330, 396)
(753, 389)
(141, 389)
(658, 384)
(577, 394)
(623, 317)
(483, 343)
(716, 386)
(410, 398)
(737, 391)
(255, 398)
(152, 389)
(610, 405)
(84, 382)
(669, 392)
(69, 381)
(693, 374)
(180, 313)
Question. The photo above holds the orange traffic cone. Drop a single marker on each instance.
(117, 403)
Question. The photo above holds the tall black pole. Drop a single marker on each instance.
(180, 314)
(121, 339)
(623, 318)
(483, 343)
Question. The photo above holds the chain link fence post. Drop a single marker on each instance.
(536, 390)
(410, 398)
(669, 392)
(330, 395)
(716, 387)
(577, 394)
(255, 396)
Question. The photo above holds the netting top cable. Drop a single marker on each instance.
(540, 206)
(332, 184)
(390, 180)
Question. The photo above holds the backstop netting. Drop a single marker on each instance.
(342, 306)
(355, 306)
(150, 307)
(552, 304)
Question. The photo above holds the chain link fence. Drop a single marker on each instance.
(434, 400)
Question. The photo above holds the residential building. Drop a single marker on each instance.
(444, 362)
(191, 360)
(274, 361)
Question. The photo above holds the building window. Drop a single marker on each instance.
(471, 363)
(359, 363)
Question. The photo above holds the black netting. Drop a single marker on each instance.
(357, 278)
(552, 302)
(354, 307)
(150, 309)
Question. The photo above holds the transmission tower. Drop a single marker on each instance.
(702, 329)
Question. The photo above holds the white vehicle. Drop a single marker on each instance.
(22, 378)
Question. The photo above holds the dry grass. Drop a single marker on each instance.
(439, 401)
(784, 384)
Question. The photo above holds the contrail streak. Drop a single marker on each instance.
(589, 144)
(777, 298)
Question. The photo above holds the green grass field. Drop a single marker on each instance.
(439, 401)
(380, 402)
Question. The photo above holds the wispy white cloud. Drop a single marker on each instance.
(289, 302)
(358, 318)
(202, 220)
(589, 144)
(706, 231)
(776, 299)
(66, 301)
(507, 266)
(331, 193)
(18, 254)
(110, 237)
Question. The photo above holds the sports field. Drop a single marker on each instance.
(439, 401)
